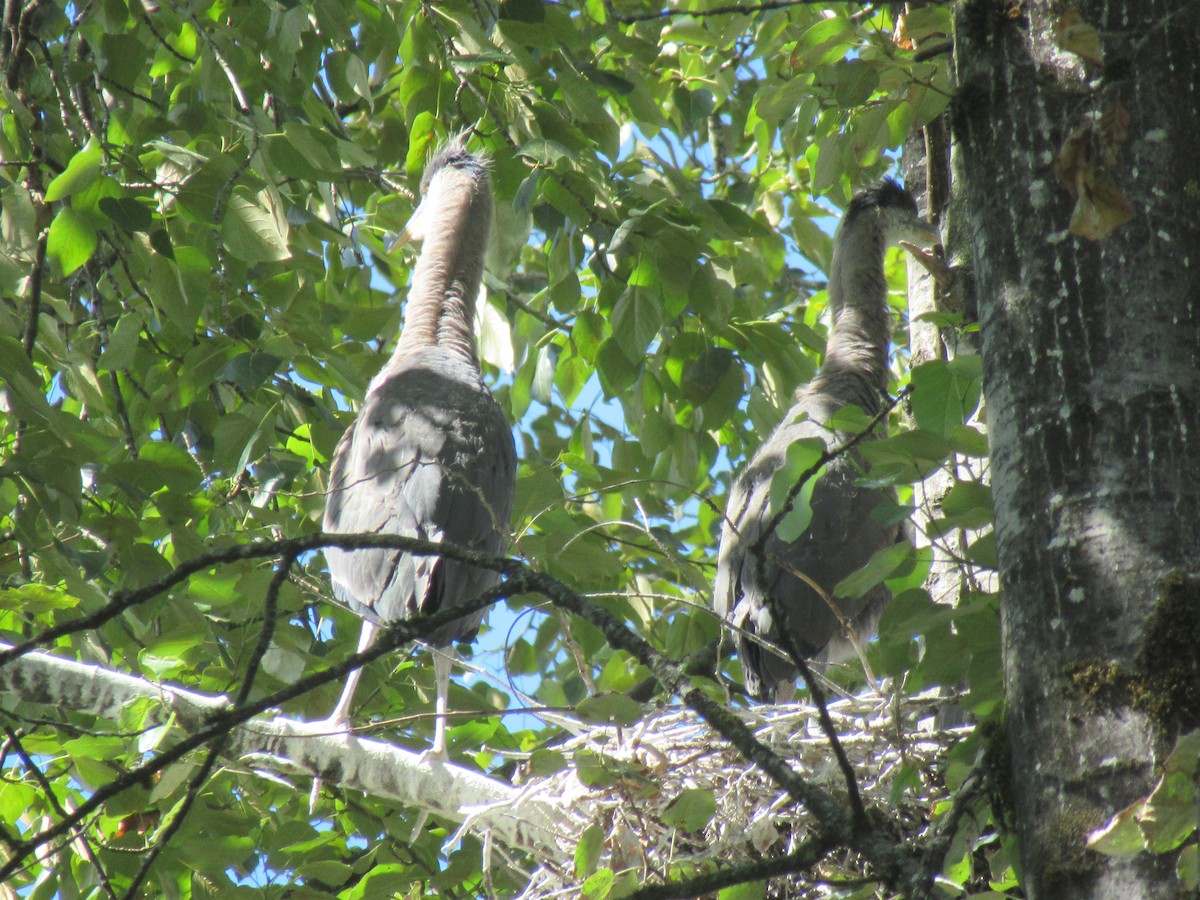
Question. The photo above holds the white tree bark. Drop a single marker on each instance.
(487, 806)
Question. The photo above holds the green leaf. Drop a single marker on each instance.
(982, 551)
(126, 212)
(635, 321)
(599, 885)
(1187, 867)
(423, 132)
(968, 504)
(850, 419)
(596, 770)
(33, 599)
(382, 880)
(496, 338)
(250, 370)
(610, 709)
(1121, 837)
(750, 890)
(1169, 815)
(546, 762)
(327, 871)
(702, 375)
(253, 232)
(122, 344)
(123, 58)
(854, 82)
(822, 43)
(801, 456)
(882, 565)
(80, 172)
(161, 242)
(969, 441)
(617, 373)
(691, 810)
(588, 851)
(72, 240)
(945, 394)
(907, 457)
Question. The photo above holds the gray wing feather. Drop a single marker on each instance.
(840, 539)
(430, 455)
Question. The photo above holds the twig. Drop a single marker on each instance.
(14, 740)
(808, 855)
(758, 550)
(732, 9)
(198, 780)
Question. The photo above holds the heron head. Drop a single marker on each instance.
(453, 169)
(899, 216)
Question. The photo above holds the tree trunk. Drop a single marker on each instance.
(1090, 351)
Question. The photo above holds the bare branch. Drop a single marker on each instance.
(740, 9)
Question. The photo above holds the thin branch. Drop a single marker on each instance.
(29, 340)
(946, 829)
(834, 827)
(808, 855)
(786, 639)
(543, 317)
(124, 600)
(14, 740)
(828, 456)
(742, 9)
(200, 778)
(270, 614)
(222, 720)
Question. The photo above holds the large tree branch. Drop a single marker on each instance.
(283, 745)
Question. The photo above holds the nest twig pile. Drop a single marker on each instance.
(626, 781)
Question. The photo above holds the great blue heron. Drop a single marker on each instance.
(430, 454)
(842, 534)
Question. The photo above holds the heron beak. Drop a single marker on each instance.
(925, 233)
(414, 230)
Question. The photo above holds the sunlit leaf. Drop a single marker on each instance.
(80, 172)
(690, 810)
(588, 850)
(610, 709)
(252, 231)
(72, 240)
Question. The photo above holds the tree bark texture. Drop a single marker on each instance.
(285, 747)
(1091, 351)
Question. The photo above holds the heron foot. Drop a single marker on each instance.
(435, 756)
(334, 724)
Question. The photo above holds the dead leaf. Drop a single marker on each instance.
(1073, 155)
(1101, 208)
(1073, 34)
(1113, 128)
(1082, 165)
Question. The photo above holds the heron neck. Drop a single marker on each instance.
(446, 279)
(856, 354)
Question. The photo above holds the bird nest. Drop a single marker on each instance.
(669, 797)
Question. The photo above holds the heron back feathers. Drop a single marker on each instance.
(431, 456)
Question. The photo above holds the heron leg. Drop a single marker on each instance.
(443, 660)
(339, 719)
(341, 713)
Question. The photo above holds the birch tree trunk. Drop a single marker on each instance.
(1090, 348)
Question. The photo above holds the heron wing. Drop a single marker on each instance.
(840, 539)
(430, 455)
